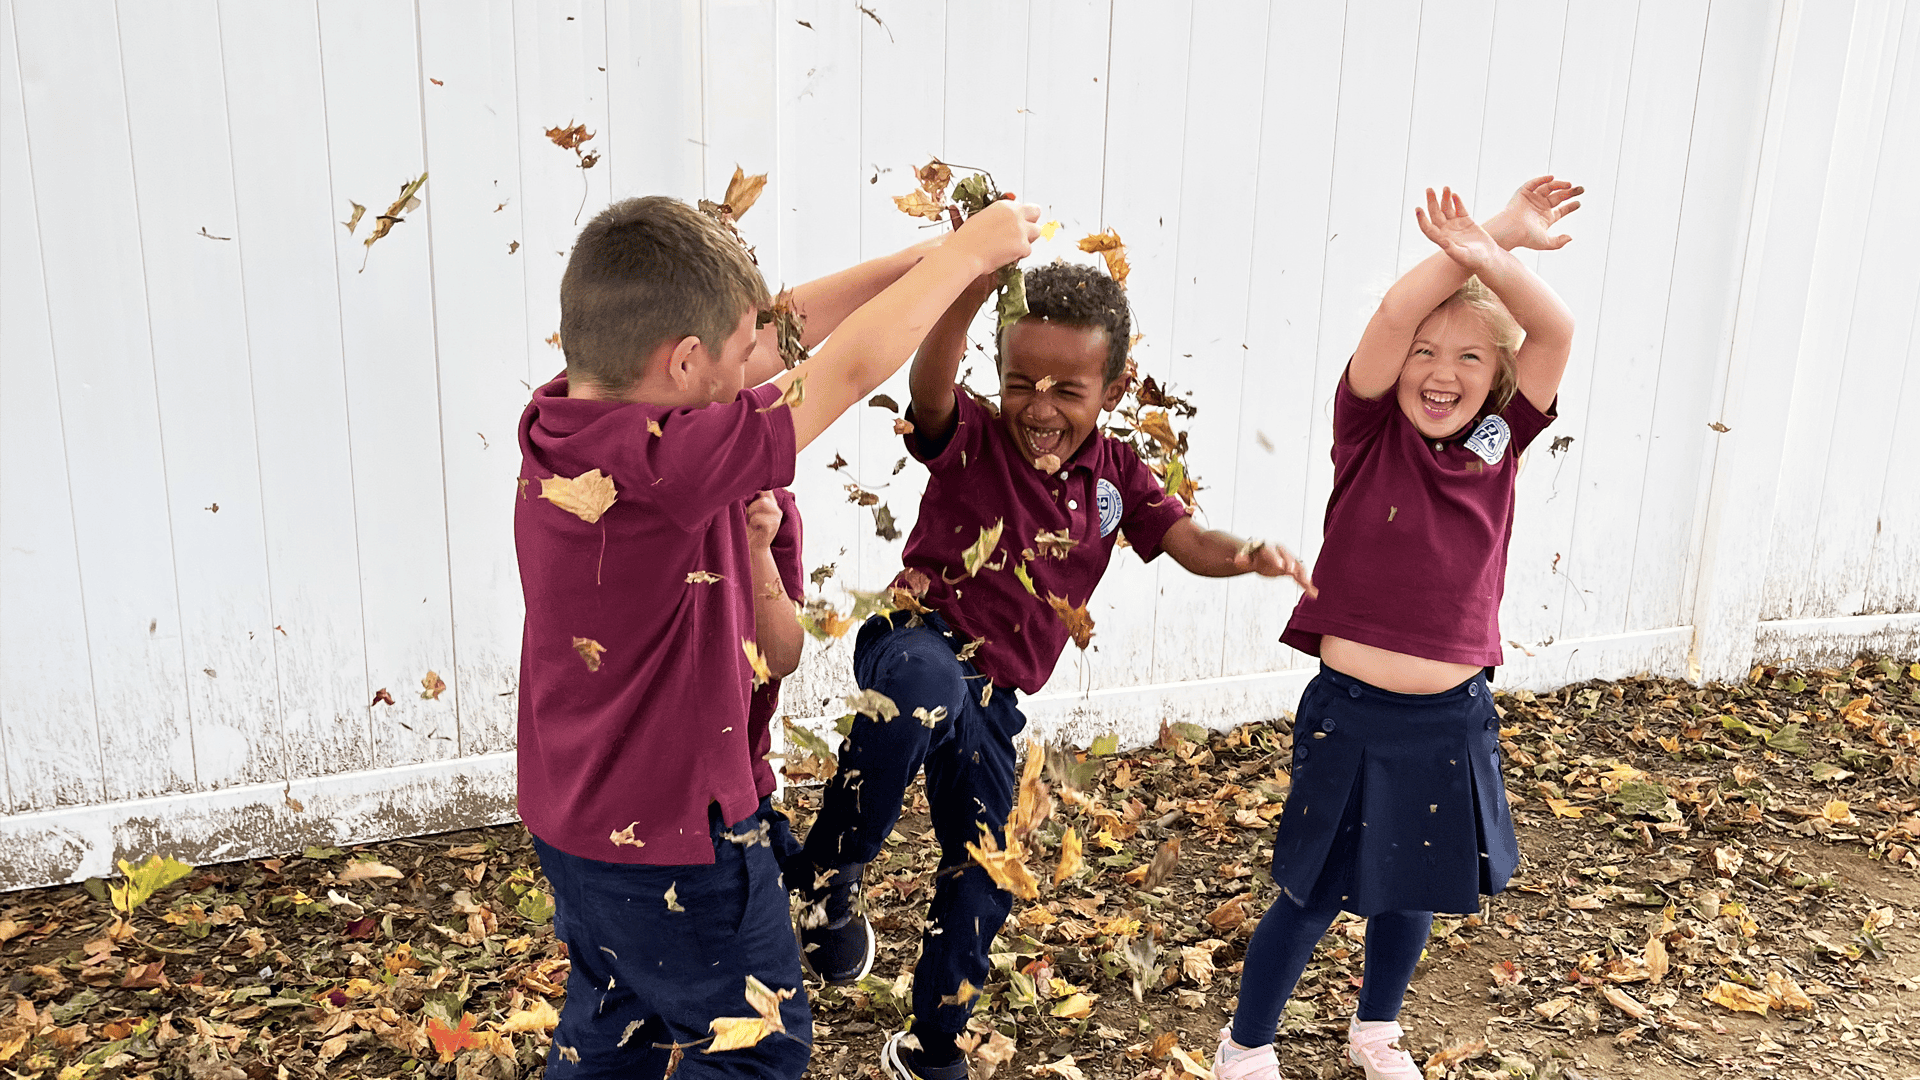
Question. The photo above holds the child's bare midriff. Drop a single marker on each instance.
(1389, 670)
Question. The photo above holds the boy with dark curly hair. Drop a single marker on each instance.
(1061, 492)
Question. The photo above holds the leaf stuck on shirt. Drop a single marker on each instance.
(590, 651)
(586, 496)
(624, 837)
(703, 577)
(1054, 545)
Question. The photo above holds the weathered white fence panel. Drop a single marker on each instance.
(246, 483)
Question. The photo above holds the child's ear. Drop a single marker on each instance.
(682, 356)
(1111, 395)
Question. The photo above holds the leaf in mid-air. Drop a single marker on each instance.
(743, 191)
(740, 1032)
(981, 550)
(916, 204)
(762, 675)
(1079, 622)
(590, 651)
(1111, 248)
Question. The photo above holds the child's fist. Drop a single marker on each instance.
(1002, 233)
(1272, 560)
(763, 520)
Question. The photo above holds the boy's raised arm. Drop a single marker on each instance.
(874, 341)
(936, 366)
(827, 301)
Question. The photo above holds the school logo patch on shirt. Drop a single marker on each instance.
(1109, 499)
(1489, 441)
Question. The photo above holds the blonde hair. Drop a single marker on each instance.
(1502, 328)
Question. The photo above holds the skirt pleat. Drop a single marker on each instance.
(1397, 803)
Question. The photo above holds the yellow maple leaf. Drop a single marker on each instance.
(586, 496)
(1839, 813)
(1071, 859)
(762, 674)
(1078, 1006)
(1564, 808)
(1048, 229)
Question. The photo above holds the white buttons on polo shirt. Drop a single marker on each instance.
(1063, 476)
(1072, 505)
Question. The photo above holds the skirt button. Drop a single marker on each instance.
(1473, 689)
(1353, 691)
(1327, 724)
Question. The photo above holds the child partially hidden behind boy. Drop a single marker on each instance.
(1063, 493)
(638, 555)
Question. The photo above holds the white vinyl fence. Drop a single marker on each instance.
(247, 482)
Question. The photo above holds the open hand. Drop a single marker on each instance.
(1536, 207)
(1445, 221)
(763, 520)
(1271, 560)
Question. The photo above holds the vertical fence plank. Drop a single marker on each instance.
(822, 187)
(287, 215)
(1448, 128)
(47, 721)
(653, 99)
(184, 187)
(373, 84)
(1716, 205)
(473, 222)
(1589, 111)
(1859, 463)
(1662, 82)
(1207, 351)
(1860, 126)
(83, 182)
(1276, 401)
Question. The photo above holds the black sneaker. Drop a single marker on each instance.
(836, 940)
(903, 1063)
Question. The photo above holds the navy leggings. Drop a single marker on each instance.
(1284, 943)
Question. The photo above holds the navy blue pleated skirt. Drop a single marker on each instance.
(1397, 802)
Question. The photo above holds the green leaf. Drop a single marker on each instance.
(322, 853)
(144, 880)
(1644, 799)
(1741, 727)
(1788, 740)
(974, 194)
(69, 1010)
(981, 550)
(1105, 745)
(1026, 579)
(1013, 296)
(535, 906)
(1193, 733)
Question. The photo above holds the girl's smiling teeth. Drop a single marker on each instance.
(1438, 404)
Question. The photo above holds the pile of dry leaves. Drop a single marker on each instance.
(1716, 878)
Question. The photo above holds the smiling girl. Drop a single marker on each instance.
(1397, 809)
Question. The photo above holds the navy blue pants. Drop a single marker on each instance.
(645, 977)
(968, 758)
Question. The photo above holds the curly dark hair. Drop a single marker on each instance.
(1083, 296)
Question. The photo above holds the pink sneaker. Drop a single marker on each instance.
(1370, 1045)
(1260, 1064)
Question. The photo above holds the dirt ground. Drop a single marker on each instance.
(1716, 881)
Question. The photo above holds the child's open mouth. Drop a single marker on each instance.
(1042, 441)
(1438, 405)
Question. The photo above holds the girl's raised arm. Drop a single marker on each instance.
(1525, 222)
(1536, 307)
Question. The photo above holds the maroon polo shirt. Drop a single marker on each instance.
(766, 700)
(1415, 556)
(980, 477)
(641, 747)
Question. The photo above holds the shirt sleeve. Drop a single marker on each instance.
(1527, 422)
(971, 421)
(786, 547)
(705, 459)
(1356, 419)
(1147, 511)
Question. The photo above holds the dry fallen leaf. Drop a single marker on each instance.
(540, 1016)
(624, 837)
(1733, 996)
(740, 1032)
(381, 697)
(570, 136)
(961, 996)
(1079, 622)
(981, 550)
(432, 686)
(702, 577)
(367, 870)
(590, 651)
(1065, 1069)
(1455, 1054)
(762, 675)
(407, 201)
(1047, 463)
(673, 899)
(743, 191)
(795, 393)
(586, 496)
(1785, 994)
(353, 219)
(1112, 249)
(1071, 859)
(916, 204)
(1623, 1001)
(1007, 868)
